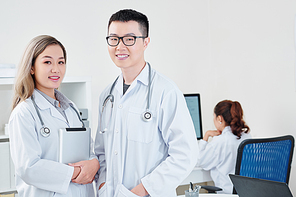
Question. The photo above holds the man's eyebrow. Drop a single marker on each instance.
(128, 34)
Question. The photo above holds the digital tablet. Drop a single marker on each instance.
(74, 145)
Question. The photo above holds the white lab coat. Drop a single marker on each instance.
(35, 157)
(160, 153)
(219, 156)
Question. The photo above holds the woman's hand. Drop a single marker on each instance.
(140, 190)
(211, 133)
(76, 172)
(89, 168)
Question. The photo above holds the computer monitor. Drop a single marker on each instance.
(193, 104)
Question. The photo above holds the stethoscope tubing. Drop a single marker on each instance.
(38, 113)
(147, 116)
(149, 86)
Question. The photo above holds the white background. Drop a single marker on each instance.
(224, 49)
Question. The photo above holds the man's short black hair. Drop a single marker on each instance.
(131, 15)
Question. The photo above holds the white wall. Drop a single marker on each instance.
(252, 56)
(224, 49)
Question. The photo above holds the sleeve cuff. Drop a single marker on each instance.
(202, 144)
(67, 182)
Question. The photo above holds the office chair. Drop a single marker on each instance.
(267, 158)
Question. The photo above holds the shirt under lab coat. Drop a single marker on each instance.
(35, 157)
(160, 153)
(219, 156)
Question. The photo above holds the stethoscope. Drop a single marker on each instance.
(45, 131)
(146, 115)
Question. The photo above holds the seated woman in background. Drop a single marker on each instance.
(219, 155)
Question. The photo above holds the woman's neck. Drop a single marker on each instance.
(48, 92)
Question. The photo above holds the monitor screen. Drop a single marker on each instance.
(193, 104)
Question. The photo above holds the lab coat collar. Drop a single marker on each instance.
(119, 84)
(142, 77)
(44, 104)
(227, 129)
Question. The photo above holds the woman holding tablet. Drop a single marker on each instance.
(34, 140)
(219, 155)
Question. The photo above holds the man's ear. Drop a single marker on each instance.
(146, 42)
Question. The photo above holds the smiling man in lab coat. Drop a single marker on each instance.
(141, 156)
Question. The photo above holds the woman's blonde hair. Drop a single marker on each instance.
(25, 82)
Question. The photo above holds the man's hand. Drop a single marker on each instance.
(102, 184)
(140, 190)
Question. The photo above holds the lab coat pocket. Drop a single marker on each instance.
(124, 192)
(138, 129)
(102, 192)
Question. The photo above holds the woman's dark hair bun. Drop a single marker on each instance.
(232, 113)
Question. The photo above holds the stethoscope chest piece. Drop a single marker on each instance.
(45, 132)
(147, 116)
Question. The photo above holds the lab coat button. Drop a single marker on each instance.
(116, 131)
(120, 106)
(115, 152)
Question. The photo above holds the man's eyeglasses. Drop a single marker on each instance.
(113, 41)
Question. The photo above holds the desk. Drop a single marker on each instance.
(215, 195)
(198, 175)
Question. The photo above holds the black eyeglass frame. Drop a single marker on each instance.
(121, 38)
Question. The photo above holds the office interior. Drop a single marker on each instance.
(223, 49)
